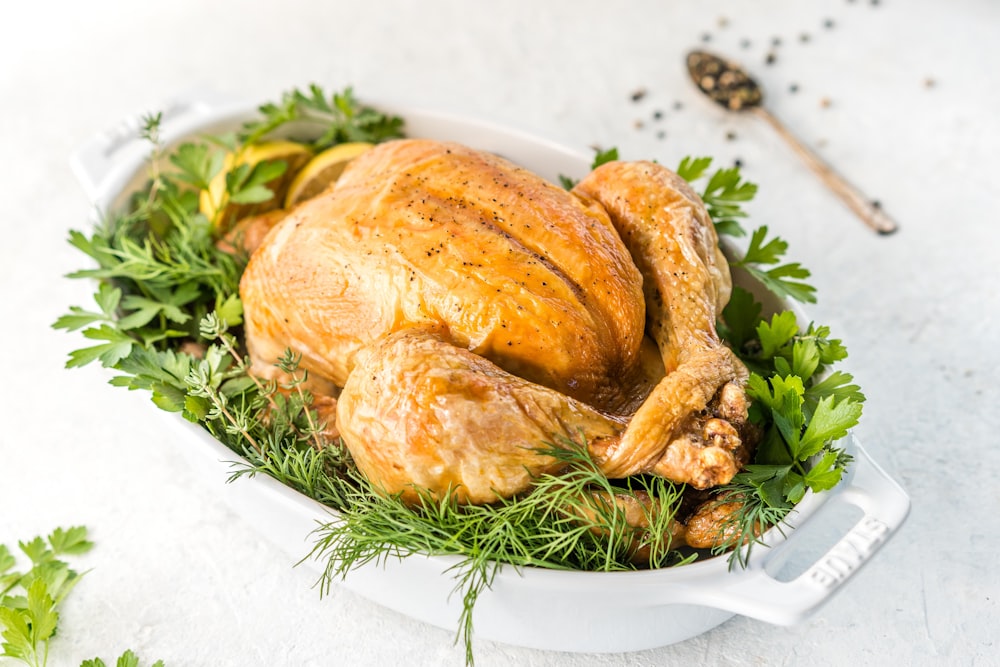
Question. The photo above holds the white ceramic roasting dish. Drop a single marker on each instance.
(582, 611)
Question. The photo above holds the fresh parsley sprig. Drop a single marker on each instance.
(126, 659)
(29, 600)
(784, 280)
(724, 194)
(803, 407)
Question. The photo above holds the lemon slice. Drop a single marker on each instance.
(323, 170)
(214, 202)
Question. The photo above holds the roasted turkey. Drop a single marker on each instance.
(460, 313)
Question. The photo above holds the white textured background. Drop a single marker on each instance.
(912, 118)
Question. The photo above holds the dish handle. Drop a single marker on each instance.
(756, 593)
(102, 161)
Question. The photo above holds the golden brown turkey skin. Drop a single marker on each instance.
(423, 233)
(425, 413)
(466, 312)
(687, 428)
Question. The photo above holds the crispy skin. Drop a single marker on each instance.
(423, 233)
(685, 284)
(422, 412)
(465, 312)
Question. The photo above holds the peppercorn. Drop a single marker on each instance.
(725, 83)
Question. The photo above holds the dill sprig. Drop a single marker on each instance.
(574, 520)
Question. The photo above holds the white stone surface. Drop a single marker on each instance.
(178, 575)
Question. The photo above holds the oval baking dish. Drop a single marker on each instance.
(582, 611)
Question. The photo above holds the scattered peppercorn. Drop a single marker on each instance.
(769, 60)
(876, 203)
(828, 24)
(678, 105)
(657, 115)
(737, 163)
(730, 136)
(723, 21)
(638, 124)
(793, 88)
(929, 82)
(745, 43)
(776, 41)
(706, 37)
(638, 94)
(804, 37)
(825, 102)
(661, 135)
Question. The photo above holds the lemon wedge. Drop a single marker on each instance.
(214, 202)
(323, 170)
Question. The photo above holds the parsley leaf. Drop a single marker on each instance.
(777, 333)
(837, 385)
(28, 620)
(116, 346)
(724, 194)
(197, 164)
(785, 280)
(831, 420)
(693, 168)
(247, 184)
(740, 318)
(126, 659)
(603, 157)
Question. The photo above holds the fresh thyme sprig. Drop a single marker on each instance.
(724, 195)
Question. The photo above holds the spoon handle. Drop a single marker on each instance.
(864, 207)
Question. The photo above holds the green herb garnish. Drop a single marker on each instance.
(803, 406)
(29, 600)
(126, 659)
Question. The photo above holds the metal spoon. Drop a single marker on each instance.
(728, 84)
